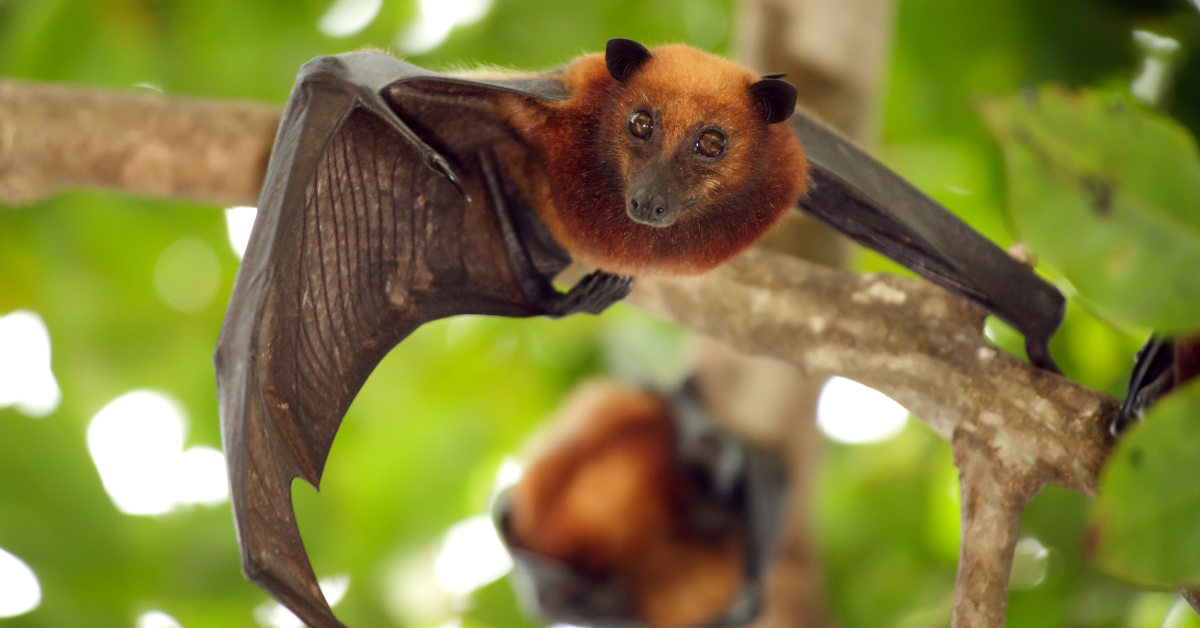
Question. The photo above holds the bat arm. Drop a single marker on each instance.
(592, 295)
(864, 199)
(368, 81)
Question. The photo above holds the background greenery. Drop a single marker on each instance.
(421, 445)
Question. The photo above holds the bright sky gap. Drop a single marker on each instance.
(349, 17)
(136, 442)
(157, 619)
(239, 222)
(20, 591)
(26, 381)
(435, 19)
(272, 614)
(848, 412)
(471, 556)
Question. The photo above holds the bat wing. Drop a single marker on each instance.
(875, 207)
(361, 237)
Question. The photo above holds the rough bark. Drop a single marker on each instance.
(54, 137)
(911, 340)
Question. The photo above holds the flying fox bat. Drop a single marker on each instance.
(641, 511)
(395, 196)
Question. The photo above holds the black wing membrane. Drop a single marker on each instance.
(862, 198)
(361, 237)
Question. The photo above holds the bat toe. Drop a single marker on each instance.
(593, 294)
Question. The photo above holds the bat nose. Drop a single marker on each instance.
(649, 208)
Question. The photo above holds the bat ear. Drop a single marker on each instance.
(623, 57)
(776, 99)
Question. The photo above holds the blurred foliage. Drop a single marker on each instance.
(1124, 182)
(1150, 500)
(420, 446)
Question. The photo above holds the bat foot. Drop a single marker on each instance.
(592, 295)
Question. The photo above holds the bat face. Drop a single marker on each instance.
(665, 162)
(684, 146)
(686, 139)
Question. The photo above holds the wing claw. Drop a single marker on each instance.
(438, 164)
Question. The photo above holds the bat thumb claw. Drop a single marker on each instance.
(438, 164)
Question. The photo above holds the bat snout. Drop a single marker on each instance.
(650, 207)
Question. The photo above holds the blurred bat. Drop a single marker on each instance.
(641, 511)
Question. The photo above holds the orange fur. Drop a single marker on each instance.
(578, 186)
(606, 498)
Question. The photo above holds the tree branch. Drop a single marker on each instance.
(907, 338)
(1013, 427)
(54, 137)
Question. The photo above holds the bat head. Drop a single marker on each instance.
(677, 160)
(686, 124)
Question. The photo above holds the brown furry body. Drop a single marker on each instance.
(606, 498)
(583, 160)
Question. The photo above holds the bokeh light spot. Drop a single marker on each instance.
(471, 556)
(848, 412)
(19, 588)
(272, 614)
(136, 442)
(347, 17)
(187, 274)
(202, 478)
(1030, 562)
(1154, 77)
(239, 222)
(507, 475)
(157, 619)
(26, 380)
(412, 596)
(1181, 616)
(435, 19)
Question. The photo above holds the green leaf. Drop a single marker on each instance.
(1107, 193)
(1147, 517)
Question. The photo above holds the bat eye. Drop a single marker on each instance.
(711, 143)
(641, 125)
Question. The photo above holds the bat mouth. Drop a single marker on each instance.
(659, 224)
